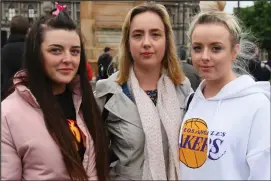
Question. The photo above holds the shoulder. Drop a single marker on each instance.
(260, 101)
(184, 88)
(183, 91)
(10, 102)
(14, 46)
(10, 108)
(13, 106)
(106, 86)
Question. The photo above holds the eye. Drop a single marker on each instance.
(55, 51)
(75, 52)
(196, 48)
(156, 35)
(216, 48)
(137, 36)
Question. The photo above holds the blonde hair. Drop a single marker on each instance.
(170, 61)
(213, 12)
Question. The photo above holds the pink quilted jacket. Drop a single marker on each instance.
(28, 152)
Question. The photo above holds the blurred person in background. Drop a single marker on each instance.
(189, 70)
(12, 52)
(258, 69)
(105, 64)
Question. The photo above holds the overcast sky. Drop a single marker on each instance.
(232, 4)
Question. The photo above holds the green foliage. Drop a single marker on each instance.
(258, 19)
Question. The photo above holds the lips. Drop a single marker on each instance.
(147, 54)
(65, 70)
(206, 68)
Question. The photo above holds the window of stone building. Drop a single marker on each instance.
(77, 10)
(171, 14)
(78, 16)
(11, 12)
(31, 12)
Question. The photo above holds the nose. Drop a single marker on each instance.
(146, 42)
(205, 55)
(67, 57)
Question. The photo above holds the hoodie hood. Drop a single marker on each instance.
(240, 87)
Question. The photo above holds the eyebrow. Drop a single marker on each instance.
(141, 31)
(60, 46)
(213, 43)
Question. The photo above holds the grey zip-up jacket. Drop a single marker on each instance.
(124, 124)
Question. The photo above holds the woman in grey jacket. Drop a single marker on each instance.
(145, 100)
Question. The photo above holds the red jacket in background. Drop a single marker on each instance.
(89, 71)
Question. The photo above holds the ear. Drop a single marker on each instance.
(235, 51)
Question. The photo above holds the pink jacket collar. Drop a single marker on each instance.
(26, 94)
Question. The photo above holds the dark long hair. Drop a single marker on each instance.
(41, 87)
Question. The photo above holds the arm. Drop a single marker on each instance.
(258, 153)
(92, 172)
(10, 161)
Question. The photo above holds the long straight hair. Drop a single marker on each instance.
(41, 87)
(170, 60)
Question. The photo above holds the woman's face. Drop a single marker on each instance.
(61, 53)
(147, 40)
(212, 52)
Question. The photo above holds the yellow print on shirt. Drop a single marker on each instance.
(198, 143)
(75, 130)
(193, 146)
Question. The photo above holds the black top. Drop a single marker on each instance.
(258, 72)
(66, 103)
(153, 94)
(11, 61)
(105, 66)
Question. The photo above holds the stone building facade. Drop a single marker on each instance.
(32, 9)
(101, 23)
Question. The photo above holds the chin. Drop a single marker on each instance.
(151, 64)
(207, 77)
(64, 80)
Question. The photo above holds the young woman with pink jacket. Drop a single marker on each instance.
(51, 127)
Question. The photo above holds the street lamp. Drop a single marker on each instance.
(183, 22)
(238, 8)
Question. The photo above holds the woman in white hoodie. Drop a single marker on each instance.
(225, 133)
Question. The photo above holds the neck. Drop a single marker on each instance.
(148, 77)
(58, 88)
(212, 87)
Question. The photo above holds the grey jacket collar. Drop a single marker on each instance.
(121, 106)
(110, 85)
(106, 86)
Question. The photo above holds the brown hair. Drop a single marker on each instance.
(19, 25)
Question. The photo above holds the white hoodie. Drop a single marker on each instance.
(227, 137)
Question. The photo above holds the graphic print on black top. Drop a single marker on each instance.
(67, 107)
